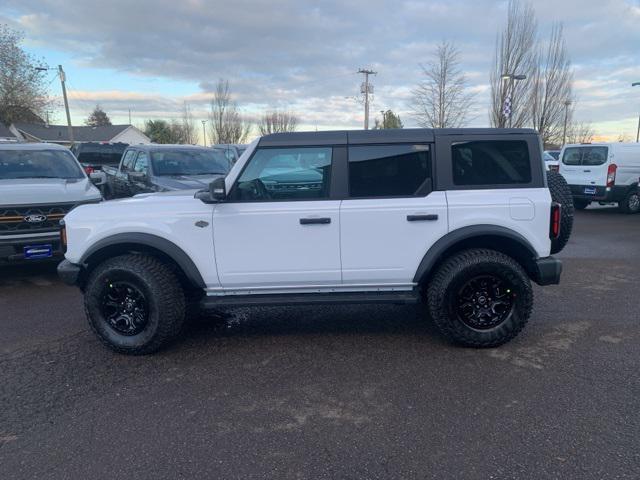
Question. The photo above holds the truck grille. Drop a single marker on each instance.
(32, 218)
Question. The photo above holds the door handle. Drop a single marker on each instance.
(315, 221)
(422, 218)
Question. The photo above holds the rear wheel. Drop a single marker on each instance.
(581, 204)
(480, 298)
(134, 304)
(631, 203)
(561, 193)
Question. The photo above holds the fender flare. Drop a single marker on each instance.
(465, 233)
(163, 245)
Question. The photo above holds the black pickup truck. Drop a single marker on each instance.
(161, 168)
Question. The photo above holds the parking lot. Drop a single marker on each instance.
(333, 392)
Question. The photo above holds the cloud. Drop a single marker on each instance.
(302, 56)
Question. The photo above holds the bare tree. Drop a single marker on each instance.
(276, 122)
(226, 123)
(23, 92)
(515, 55)
(442, 100)
(188, 125)
(580, 132)
(551, 89)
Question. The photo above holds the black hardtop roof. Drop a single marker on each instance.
(400, 135)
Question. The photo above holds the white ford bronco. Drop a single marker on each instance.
(460, 220)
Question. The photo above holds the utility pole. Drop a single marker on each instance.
(366, 89)
(637, 84)
(204, 133)
(566, 117)
(63, 79)
(129, 116)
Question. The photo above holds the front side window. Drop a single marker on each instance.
(127, 161)
(491, 162)
(142, 163)
(388, 170)
(591, 156)
(38, 164)
(299, 173)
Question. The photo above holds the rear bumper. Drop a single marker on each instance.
(549, 270)
(602, 194)
(69, 272)
(12, 249)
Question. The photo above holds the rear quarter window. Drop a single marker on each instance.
(491, 162)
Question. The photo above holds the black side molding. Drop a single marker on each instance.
(315, 221)
(421, 218)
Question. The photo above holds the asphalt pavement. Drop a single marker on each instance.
(358, 392)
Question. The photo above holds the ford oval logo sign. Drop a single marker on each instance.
(35, 218)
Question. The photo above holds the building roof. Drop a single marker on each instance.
(60, 133)
(343, 137)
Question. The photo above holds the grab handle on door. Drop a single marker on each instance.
(315, 221)
(421, 218)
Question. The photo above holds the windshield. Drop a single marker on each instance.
(38, 164)
(585, 155)
(189, 162)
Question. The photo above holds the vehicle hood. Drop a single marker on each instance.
(185, 182)
(30, 191)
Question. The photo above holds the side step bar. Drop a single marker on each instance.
(397, 298)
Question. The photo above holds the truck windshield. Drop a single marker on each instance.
(585, 155)
(189, 162)
(38, 164)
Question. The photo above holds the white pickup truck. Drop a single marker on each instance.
(39, 184)
(460, 220)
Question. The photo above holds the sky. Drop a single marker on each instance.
(149, 57)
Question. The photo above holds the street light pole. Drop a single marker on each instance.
(637, 84)
(512, 77)
(566, 116)
(204, 133)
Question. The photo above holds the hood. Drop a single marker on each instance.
(32, 191)
(185, 182)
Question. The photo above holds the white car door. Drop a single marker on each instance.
(391, 217)
(279, 230)
(586, 166)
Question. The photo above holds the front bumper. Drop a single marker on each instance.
(12, 249)
(549, 270)
(69, 272)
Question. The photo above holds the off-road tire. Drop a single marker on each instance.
(630, 204)
(162, 290)
(441, 293)
(581, 204)
(561, 193)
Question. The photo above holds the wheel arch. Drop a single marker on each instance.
(146, 243)
(493, 237)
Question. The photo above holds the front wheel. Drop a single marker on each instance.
(480, 298)
(134, 304)
(631, 203)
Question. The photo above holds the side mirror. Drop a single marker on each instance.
(98, 178)
(218, 190)
(136, 176)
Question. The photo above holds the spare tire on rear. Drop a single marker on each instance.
(561, 193)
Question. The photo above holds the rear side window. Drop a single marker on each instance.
(585, 156)
(491, 162)
(389, 170)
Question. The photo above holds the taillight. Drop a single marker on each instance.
(611, 175)
(554, 168)
(89, 170)
(554, 227)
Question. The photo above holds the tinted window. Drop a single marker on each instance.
(585, 156)
(490, 162)
(142, 163)
(99, 154)
(127, 161)
(190, 161)
(285, 174)
(38, 164)
(388, 170)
